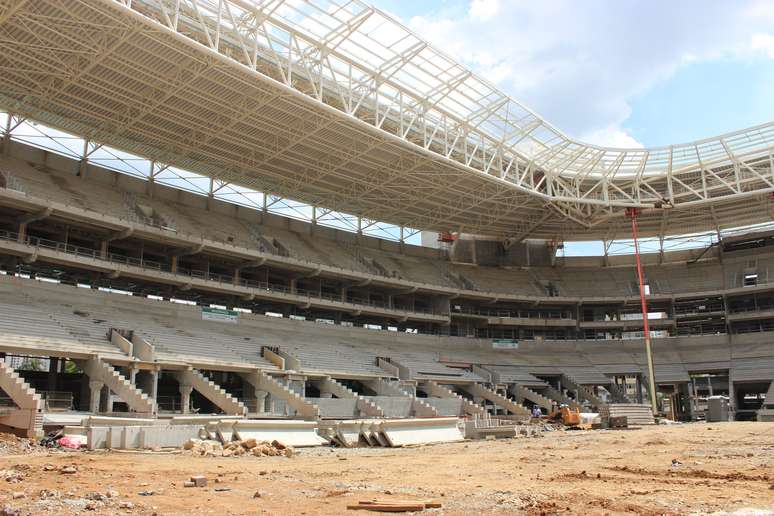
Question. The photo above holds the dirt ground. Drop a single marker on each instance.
(719, 468)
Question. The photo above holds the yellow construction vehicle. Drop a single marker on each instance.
(568, 416)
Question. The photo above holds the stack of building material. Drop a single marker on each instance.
(636, 414)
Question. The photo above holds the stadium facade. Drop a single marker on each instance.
(346, 110)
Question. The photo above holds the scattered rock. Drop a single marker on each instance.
(17, 495)
(199, 480)
(126, 505)
(68, 470)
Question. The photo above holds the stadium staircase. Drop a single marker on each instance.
(135, 399)
(301, 405)
(28, 415)
(479, 391)
(617, 394)
(419, 407)
(366, 407)
(434, 389)
(521, 392)
(766, 412)
(584, 392)
(560, 398)
(212, 391)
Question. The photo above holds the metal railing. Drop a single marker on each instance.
(57, 400)
(193, 274)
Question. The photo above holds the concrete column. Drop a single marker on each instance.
(95, 395)
(173, 265)
(132, 374)
(185, 398)
(103, 249)
(293, 284)
(53, 369)
(22, 232)
(260, 400)
(344, 291)
(154, 388)
(109, 399)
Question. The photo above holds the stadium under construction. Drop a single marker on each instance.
(127, 293)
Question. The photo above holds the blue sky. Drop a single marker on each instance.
(623, 73)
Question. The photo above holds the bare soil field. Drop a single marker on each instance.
(679, 469)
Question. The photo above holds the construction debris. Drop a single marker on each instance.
(206, 448)
(393, 505)
(13, 445)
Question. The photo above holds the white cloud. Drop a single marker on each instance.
(612, 136)
(580, 64)
(763, 43)
(483, 9)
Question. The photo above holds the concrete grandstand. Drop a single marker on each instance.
(122, 295)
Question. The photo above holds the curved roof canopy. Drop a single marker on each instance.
(334, 103)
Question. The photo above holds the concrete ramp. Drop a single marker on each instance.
(291, 433)
(26, 415)
(404, 432)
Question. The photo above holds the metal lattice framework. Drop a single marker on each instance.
(338, 105)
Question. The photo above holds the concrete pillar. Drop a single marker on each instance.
(173, 265)
(260, 400)
(108, 399)
(154, 388)
(22, 232)
(132, 374)
(53, 369)
(95, 395)
(344, 291)
(103, 249)
(293, 284)
(185, 398)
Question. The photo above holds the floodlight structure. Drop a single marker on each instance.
(336, 104)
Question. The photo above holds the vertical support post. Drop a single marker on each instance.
(95, 395)
(84, 160)
(185, 398)
(632, 213)
(7, 136)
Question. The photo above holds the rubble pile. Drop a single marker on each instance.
(253, 447)
(13, 445)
